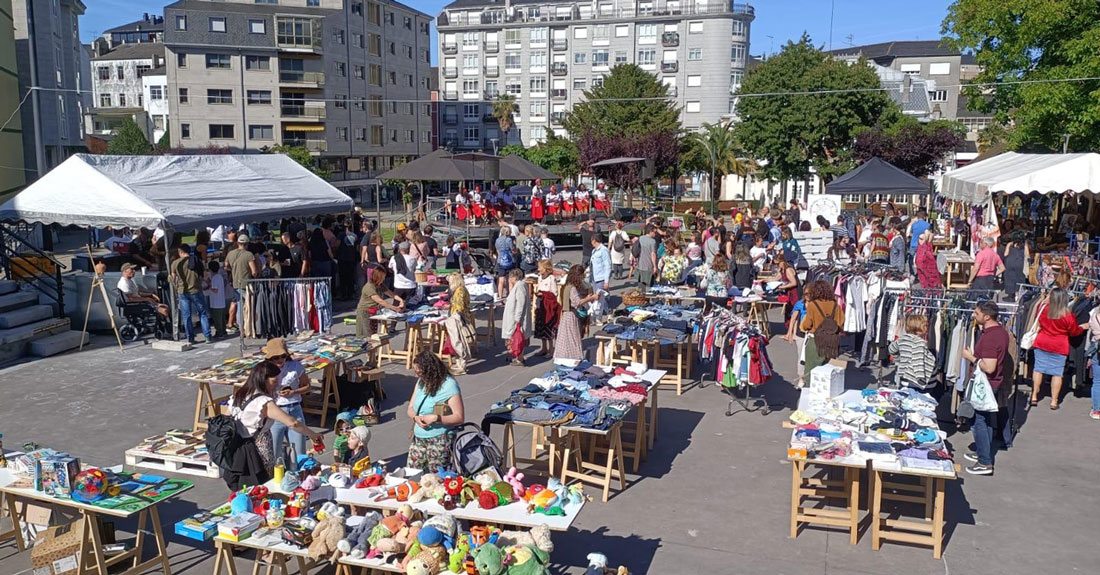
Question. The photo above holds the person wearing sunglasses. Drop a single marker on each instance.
(293, 384)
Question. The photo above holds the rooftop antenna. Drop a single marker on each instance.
(850, 39)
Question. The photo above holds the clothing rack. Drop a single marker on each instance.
(748, 403)
(311, 281)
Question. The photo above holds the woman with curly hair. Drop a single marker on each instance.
(436, 410)
(575, 295)
(822, 343)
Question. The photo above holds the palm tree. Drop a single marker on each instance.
(504, 108)
(717, 144)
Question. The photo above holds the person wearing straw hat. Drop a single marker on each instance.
(292, 385)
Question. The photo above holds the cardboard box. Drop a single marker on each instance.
(36, 519)
(54, 475)
(826, 381)
(200, 527)
(239, 527)
(57, 550)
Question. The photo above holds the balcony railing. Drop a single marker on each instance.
(491, 94)
(488, 117)
(518, 15)
(450, 72)
(558, 94)
(492, 46)
(315, 146)
(557, 117)
(450, 94)
(306, 112)
(294, 77)
(450, 118)
(450, 48)
(492, 71)
(299, 42)
(670, 39)
(670, 67)
(559, 44)
(559, 68)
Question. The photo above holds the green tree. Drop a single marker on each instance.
(129, 140)
(513, 150)
(630, 102)
(504, 110)
(301, 155)
(1033, 43)
(557, 154)
(793, 130)
(165, 142)
(714, 149)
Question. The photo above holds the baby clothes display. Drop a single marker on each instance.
(279, 308)
(736, 350)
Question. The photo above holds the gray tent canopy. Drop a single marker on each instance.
(877, 176)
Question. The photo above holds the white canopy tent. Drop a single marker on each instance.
(177, 192)
(1012, 172)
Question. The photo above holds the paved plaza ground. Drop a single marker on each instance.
(713, 497)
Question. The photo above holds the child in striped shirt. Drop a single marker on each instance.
(915, 362)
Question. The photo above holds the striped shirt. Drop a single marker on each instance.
(915, 362)
(839, 231)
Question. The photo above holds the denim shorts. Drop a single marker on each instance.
(1048, 363)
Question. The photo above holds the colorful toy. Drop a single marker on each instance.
(538, 537)
(298, 502)
(90, 485)
(327, 536)
(431, 487)
(355, 544)
(240, 503)
(515, 479)
(458, 555)
(400, 492)
(374, 480)
(528, 560)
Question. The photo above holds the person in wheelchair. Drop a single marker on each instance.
(131, 293)
(142, 309)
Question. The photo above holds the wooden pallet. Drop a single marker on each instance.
(173, 463)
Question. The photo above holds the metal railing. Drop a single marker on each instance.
(492, 71)
(557, 117)
(670, 39)
(309, 112)
(450, 48)
(45, 278)
(559, 68)
(311, 145)
(669, 67)
(294, 77)
(559, 44)
(492, 46)
(519, 15)
(558, 94)
(450, 72)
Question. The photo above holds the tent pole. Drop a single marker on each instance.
(378, 203)
(172, 289)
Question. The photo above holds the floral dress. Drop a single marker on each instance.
(718, 283)
(672, 268)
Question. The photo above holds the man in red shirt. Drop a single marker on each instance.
(987, 265)
(991, 356)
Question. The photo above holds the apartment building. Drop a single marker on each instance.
(119, 80)
(347, 80)
(49, 55)
(11, 137)
(547, 54)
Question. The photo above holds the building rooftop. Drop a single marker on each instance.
(158, 71)
(969, 60)
(271, 8)
(148, 23)
(964, 110)
(901, 49)
(143, 51)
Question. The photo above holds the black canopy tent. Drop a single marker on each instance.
(876, 176)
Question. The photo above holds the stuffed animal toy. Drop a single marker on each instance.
(240, 504)
(470, 492)
(515, 479)
(446, 524)
(374, 480)
(431, 541)
(528, 560)
(489, 560)
(458, 555)
(424, 563)
(311, 483)
(444, 474)
(431, 487)
(387, 527)
(532, 491)
(339, 480)
(538, 537)
(488, 500)
(355, 544)
(567, 495)
(329, 508)
(597, 564)
(400, 492)
(327, 536)
(486, 480)
(451, 486)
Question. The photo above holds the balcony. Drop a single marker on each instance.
(492, 71)
(450, 72)
(559, 44)
(450, 94)
(492, 47)
(450, 118)
(314, 146)
(296, 78)
(557, 117)
(450, 48)
(303, 112)
(670, 39)
(559, 68)
(558, 94)
(488, 117)
(670, 67)
(491, 94)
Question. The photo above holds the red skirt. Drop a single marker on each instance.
(582, 205)
(461, 212)
(567, 206)
(537, 208)
(554, 209)
(601, 205)
(478, 210)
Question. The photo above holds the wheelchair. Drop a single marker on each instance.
(141, 319)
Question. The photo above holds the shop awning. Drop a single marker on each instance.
(304, 127)
(183, 192)
(877, 176)
(1012, 172)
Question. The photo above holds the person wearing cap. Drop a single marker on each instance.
(242, 266)
(188, 283)
(358, 442)
(131, 293)
(292, 385)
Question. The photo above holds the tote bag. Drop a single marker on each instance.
(1028, 339)
(981, 394)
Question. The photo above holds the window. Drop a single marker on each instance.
(156, 93)
(261, 133)
(695, 81)
(342, 134)
(692, 107)
(580, 32)
(120, 72)
(470, 88)
(410, 109)
(425, 137)
(601, 33)
(647, 33)
(392, 78)
(538, 109)
(939, 68)
(538, 86)
(580, 84)
(393, 135)
(341, 102)
(374, 13)
(538, 60)
(427, 110)
(471, 111)
(511, 38)
(142, 69)
(580, 58)
(408, 23)
(122, 100)
(408, 51)
(599, 57)
(393, 48)
(184, 96)
(513, 86)
(356, 7)
(512, 61)
(389, 18)
(622, 30)
(221, 131)
(597, 81)
(218, 61)
(620, 57)
(338, 37)
(104, 72)
(181, 22)
(695, 54)
(360, 134)
(647, 57)
(470, 64)
(360, 72)
(937, 95)
(357, 40)
(217, 24)
(409, 80)
(738, 27)
(104, 100)
(259, 97)
(219, 96)
(470, 40)
(737, 52)
(539, 36)
(140, 102)
(471, 134)
(181, 60)
(374, 75)
(910, 68)
(735, 80)
(374, 109)
(374, 44)
(341, 69)
(358, 104)
(185, 131)
(257, 62)
(697, 27)
(538, 133)
(491, 89)
(257, 27)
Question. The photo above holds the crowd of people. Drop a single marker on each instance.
(556, 204)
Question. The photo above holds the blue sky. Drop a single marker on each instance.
(777, 21)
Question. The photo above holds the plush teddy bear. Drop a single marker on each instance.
(424, 563)
(538, 537)
(431, 487)
(355, 544)
(327, 536)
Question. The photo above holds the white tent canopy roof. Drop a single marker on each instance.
(1011, 172)
(183, 192)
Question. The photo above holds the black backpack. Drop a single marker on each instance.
(474, 451)
(224, 438)
(617, 243)
(636, 249)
